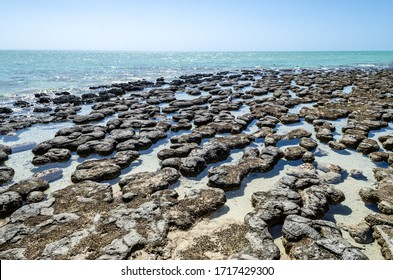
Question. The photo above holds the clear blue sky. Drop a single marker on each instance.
(197, 25)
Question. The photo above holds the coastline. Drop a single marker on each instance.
(160, 146)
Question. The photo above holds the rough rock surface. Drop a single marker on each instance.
(145, 183)
(96, 170)
(6, 174)
(71, 138)
(229, 177)
(5, 151)
(306, 239)
(52, 155)
(27, 186)
(382, 195)
(9, 202)
(294, 153)
(368, 146)
(384, 235)
(90, 220)
(361, 233)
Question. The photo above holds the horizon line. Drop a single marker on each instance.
(189, 51)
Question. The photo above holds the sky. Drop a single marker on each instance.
(197, 25)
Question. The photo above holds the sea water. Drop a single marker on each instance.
(23, 73)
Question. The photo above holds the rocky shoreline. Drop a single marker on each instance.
(212, 131)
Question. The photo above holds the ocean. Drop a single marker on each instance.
(23, 73)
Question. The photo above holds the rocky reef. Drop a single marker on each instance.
(148, 167)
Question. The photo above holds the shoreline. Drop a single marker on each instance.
(283, 135)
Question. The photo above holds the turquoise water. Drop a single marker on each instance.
(25, 72)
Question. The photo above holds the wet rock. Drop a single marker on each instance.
(181, 125)
(387, 141)
(27, 186)
(251, 152)
(272, 139)
(5, 151)
(5, 110)
(379, 156)
(66, 98)
(368, 146)
(195, 205)
(382, 195)
(187, 115)
(381, 173)
(153, 135)
(140, 143)
(324, 135)
(53, 155)
(125, 158)
(289, 118)
(273, 206)
(361, 233)
(89, 97)
(9, 202)
(352, 141)
(135, 122)
(229, 177)
(308, 157)
(35, 196)
(71, 138)
(101, 147)
(357, 174)
(13, 254)
(316, 193)
(49, 175)
(180, 150)
(316, 200)
(192, 165)
(21, 104)
(297, 134)
(336, 145)
(316, 239)
(260, 242)
(271, 155)
(42, 109)
(6, 174)
(82, 119)
(171, 162)
(294, 153)
(63, 246)
(43, 99)
(329, 167)
(374, 219)
(3, 156)
(263, 132)
(203, 120)
(384, 235)
(227, 126)
(96, 170)
(205, 131)
(211, 152)
(235, 141)
(331, 177)
(331, 173)
(121, 135)
(187, 138)
(308, 143)
(146, 183)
